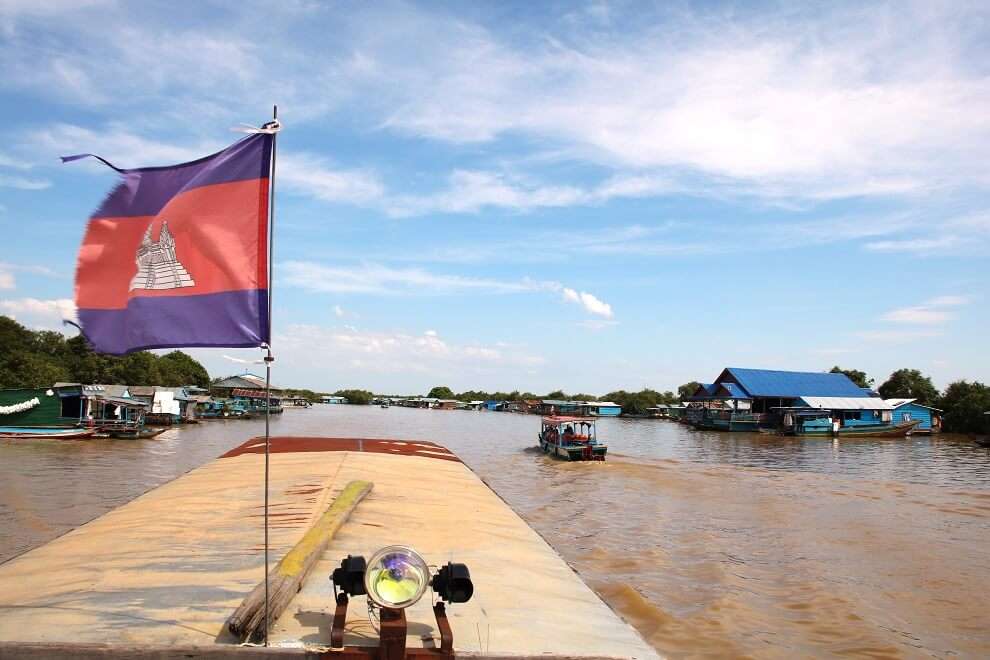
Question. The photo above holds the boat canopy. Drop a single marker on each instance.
(563, 419)
(126, 403)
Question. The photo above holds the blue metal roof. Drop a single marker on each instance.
(734, 391)
(793, 384)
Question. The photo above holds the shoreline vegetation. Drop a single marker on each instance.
(39, 358)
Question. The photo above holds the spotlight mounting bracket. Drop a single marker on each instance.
(392, 636)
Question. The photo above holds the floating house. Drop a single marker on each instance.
(851, 411)
(42, 407)
(246, 381)
(334, 400)
(748, 399)
(558, 407)
(600, 409)
(906, 410)
(70, 405)
(253, 401)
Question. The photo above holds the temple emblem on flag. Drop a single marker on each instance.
(158, 265)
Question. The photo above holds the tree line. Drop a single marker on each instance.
(636, 403)
(41, 358)
(962, 402)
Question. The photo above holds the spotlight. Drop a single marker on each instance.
(396, 577)
(453, 583)
(349, 578)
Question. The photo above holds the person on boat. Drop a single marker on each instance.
(568, 433)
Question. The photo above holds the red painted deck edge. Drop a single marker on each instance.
(294, 444)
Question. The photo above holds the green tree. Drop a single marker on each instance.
(858, 377)
(687, 389)
(558, 395)
(32, 370)
(964, 405)
(473, 395)
(910, 384)
(177, 368)
(356, 397)
(441, 392)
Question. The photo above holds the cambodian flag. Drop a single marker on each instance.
(177, 255)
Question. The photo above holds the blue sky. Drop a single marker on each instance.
(577, 196)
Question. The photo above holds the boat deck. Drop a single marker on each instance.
(168, 568)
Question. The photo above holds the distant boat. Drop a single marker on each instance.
(43, 433)
(571, 438)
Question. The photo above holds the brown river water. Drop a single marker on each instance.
(710, 544)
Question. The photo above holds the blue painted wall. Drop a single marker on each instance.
(912, 411)
(609, 411)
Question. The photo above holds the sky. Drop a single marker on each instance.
(539, 196)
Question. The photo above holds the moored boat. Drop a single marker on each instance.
(43, 433)
(821, 423)
(571, 438)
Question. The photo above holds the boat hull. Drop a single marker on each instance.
(28, 433)
(575, 452)
(873, 431)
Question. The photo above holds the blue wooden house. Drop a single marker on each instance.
(747, 399)
(906, 410)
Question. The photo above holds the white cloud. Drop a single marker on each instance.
(931, 312)
(597, 324)
(338, 311)
(35, 313)
(384, 280)
(395, 352)
(920, 315)
(897, 336)
(310, 175)
(814, 104)
(589, 302)
(23, 183)
(379, 279)
(6, 279)
(742, 97)
(117, 144)
(915, 245)
(948, 301)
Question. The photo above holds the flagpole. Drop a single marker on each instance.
(268, 357)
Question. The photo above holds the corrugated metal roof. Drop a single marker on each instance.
(897, 403)
(846, 403)
(246, 381)
(734, 391)
(793, 384)
(127, 403)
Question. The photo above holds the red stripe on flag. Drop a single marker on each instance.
(220, 239)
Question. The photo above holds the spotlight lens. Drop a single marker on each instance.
(396, 577)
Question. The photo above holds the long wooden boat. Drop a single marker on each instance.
(126, 585)
(571, 438)
(43, 433)
(859, 431)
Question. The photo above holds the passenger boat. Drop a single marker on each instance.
(571, 438)
(46, 433)
(820, 423)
